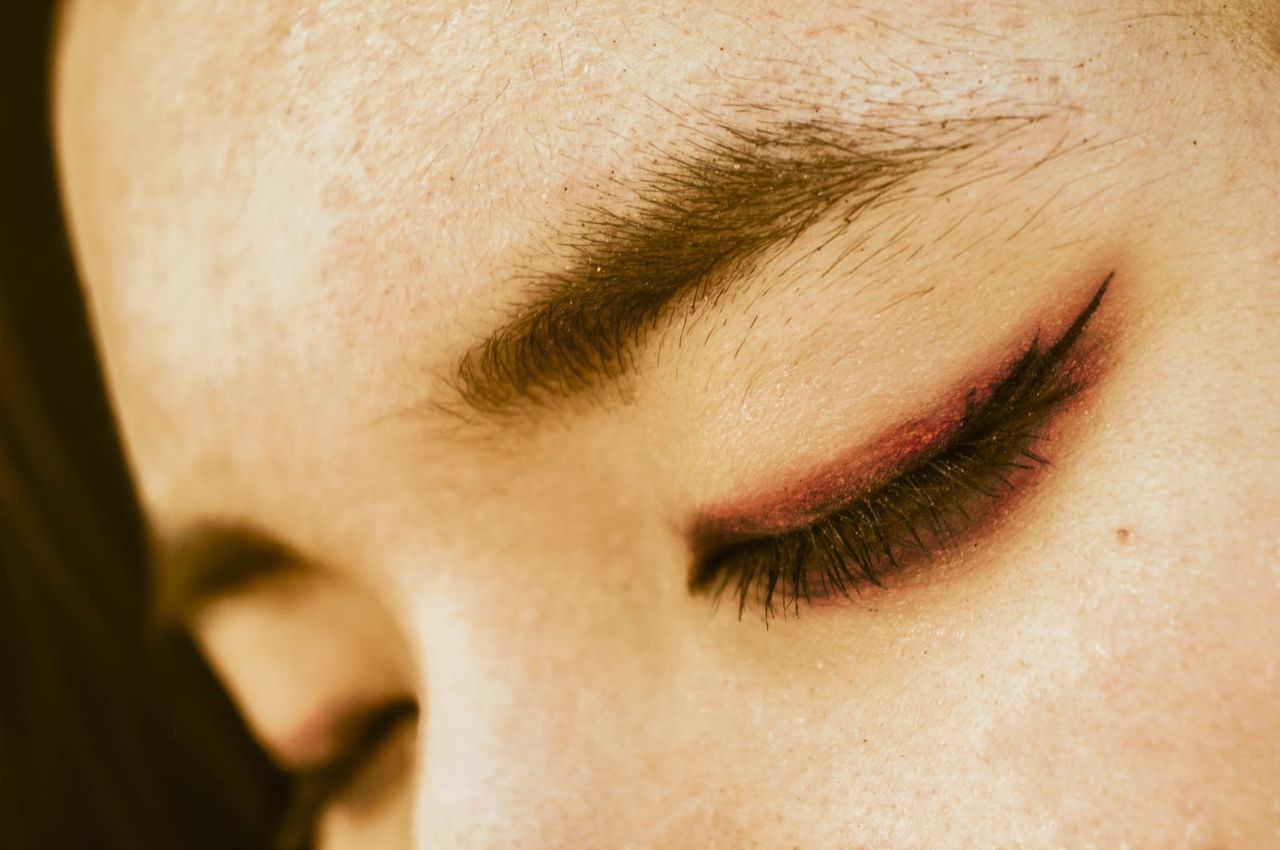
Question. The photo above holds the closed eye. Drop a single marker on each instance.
(910, 513)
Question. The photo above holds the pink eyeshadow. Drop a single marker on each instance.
(815, 492)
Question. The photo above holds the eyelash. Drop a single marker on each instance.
(317, 788)
(921, 508)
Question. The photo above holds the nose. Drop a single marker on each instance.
(576, 731)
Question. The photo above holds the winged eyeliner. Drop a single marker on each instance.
(857, 523)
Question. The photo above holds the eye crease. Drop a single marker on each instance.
(902, 516)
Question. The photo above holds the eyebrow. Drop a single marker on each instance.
(696, 218)
(213, 560)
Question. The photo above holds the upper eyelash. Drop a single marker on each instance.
(860, 542)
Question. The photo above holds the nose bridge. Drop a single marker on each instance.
(560, 737)
(551, 664)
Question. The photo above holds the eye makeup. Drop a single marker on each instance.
(868, 516)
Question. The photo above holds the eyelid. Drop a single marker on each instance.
(991, 441)
(815, 494)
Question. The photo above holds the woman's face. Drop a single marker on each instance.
(572, 370)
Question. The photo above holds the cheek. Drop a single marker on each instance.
(1162, 723)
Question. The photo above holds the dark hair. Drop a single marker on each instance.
(109, 737)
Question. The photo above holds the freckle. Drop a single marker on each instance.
(1122, 535)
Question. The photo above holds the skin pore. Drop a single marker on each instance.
(451, 322)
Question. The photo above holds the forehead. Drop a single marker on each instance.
(292, 217)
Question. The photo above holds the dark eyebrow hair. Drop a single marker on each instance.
(212, 560)
(697, 218)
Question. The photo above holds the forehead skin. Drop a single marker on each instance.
(292, 218)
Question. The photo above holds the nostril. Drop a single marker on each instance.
(373, 760)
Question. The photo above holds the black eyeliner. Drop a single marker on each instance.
(919, 508)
